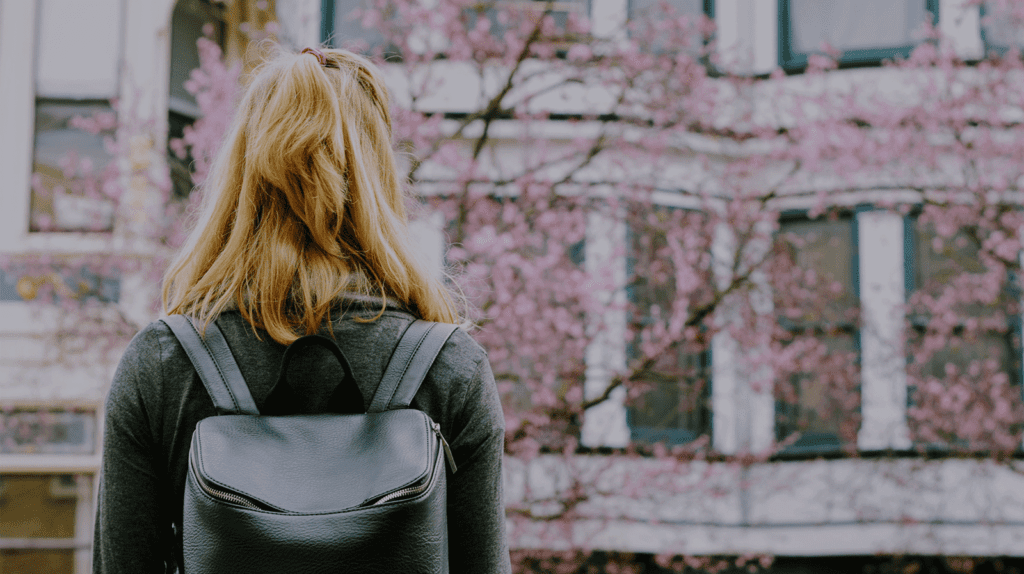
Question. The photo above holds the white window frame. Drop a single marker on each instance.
(962, 25)
(883, 355)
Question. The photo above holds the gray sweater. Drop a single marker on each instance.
(156, 399)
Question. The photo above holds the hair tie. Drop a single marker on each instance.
(320, 57)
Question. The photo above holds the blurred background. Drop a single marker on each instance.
(747, 271)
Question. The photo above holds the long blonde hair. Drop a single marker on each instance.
(303, 203)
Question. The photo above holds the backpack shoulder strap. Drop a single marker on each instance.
(212, 359)
(410, 361)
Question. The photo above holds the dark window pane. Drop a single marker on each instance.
(68, 162)
(961, 351)
(507, 14)
(191, 20)
(940, 259)
(637, 8)
(816, 406)
(854, 24)
(825, 247)
(937, 264)
(675, 407)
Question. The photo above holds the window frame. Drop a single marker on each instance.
(202, 9)
(69, 102)
(1015, 331)
(708, 8)
(986, 46)
(800, 448)
(704, 412)
(796, 62)
(328, 13)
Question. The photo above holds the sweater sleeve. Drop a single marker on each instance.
(476, 510)
(132, 522)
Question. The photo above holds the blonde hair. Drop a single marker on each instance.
(303, 203)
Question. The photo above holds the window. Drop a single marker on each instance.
(934, 262)
(188, 21)
(981, 347)
(1001, 28)
(674, 406)
(47, 516)
(47, 432)
(817, 401)
(76, 75)
(45, 525)
(520, 261)
(865, 32)
(639, 10)
(68, 165)
(505, 15)
(342, 27)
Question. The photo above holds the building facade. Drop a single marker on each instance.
(64, 58)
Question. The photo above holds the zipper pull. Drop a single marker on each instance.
(444, 444)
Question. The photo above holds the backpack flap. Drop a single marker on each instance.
(315, 463)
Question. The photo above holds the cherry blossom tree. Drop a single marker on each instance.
(699, 167)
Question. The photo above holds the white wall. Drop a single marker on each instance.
(810, 508)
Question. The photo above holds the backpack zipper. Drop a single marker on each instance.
(418, 488)
(227, 496)
(408, 491)
(447, 450)
(222, 494)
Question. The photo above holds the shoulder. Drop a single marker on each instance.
(153, 352)
(458, 363)
(460, 357)
(461, 353)
(154, 344)
(138, 384)
(463, 367)
(145, 350)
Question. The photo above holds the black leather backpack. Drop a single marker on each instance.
(354, 492)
